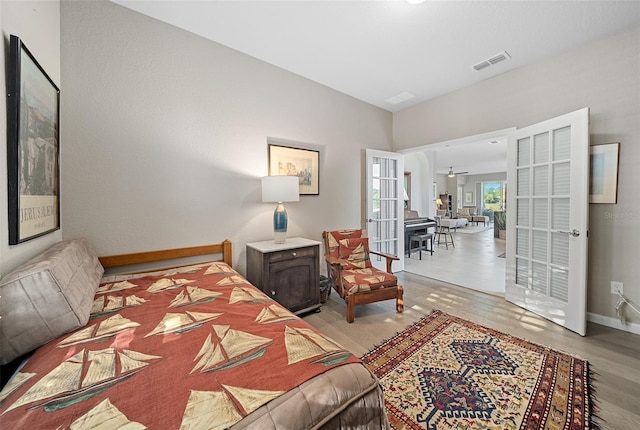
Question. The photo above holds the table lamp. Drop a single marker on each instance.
(280, 189)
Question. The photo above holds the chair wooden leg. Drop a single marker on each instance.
(399, 300)
(349, 299)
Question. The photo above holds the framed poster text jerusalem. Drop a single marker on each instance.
(33, 112)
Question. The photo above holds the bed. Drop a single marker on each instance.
(189, 347)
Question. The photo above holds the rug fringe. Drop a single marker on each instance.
(596, 422)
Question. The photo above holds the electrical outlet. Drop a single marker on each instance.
(616, 287)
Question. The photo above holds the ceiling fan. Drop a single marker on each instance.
(451, 173)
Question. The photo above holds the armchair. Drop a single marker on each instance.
(352, 274)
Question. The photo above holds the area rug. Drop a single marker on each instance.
(470, 229)
(444, 372)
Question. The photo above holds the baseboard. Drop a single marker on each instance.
(613, 323)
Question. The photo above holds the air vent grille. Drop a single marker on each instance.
(504, 55)
(482, 65)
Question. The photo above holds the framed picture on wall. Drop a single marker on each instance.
(468, 197)
(303, 163)
(33, 132)
(603, 184)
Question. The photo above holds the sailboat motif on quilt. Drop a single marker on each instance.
(247, 295)
(226, 347)
(105, 415)
(303, 344)
(105, 305)
(221, 409)
(15, 383)
(167, 284)
(232, 280)
(274, 314)
(116, 286)
(100, 331)
(82, 376)
(181, 323)
(193, 296)
(220, 269)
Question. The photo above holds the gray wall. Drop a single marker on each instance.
(603, 75)
(37, 23)
(165, 137)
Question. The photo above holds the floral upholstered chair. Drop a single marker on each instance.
(352, 274)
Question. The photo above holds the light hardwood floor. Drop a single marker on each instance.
(472, 263)
(614, 355)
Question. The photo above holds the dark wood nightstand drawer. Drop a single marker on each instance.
(291, 254)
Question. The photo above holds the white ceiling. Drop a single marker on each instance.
(378, 50)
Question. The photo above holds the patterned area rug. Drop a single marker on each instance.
(444, 372)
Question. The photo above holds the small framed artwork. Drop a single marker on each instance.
(33, 131)
(468, 197)
(603, 183)
(303, 163)
(434, 189)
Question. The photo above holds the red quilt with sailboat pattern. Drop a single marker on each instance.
(193, 348)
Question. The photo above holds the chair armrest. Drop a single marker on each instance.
(336, 263)
(389, 258)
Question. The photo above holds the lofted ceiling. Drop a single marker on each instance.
(394, 54)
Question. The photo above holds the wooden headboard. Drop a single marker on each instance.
(223, 248)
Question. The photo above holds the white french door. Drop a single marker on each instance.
(547, 220)
(384, 220)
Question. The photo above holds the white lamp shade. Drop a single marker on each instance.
(280, 189)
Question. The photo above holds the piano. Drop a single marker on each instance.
(413, 223)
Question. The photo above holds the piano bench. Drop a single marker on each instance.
(421, 239)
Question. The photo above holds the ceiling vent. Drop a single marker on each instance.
(504, 55)
(400, 98)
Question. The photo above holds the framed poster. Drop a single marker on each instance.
(303, 163)
(33, 112)
(603, 184)
(468, 197)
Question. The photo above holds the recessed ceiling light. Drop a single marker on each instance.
(493, 142)
(415, 1)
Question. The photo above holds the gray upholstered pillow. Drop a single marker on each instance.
(48, 296)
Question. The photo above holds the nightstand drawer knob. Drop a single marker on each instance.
(273, 293)
(294, 254)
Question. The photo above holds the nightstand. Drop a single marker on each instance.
(289, 272)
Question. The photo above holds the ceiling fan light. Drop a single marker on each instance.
(451, 174)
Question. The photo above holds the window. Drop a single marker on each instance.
(494, 197)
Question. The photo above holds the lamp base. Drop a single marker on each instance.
(280, 224)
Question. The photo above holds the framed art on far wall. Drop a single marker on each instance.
(603, 184)
(468, 197)
(33, 131)
(303, 163)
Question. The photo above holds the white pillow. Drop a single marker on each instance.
(48, 296)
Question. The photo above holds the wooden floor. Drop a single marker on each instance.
(614, 355)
